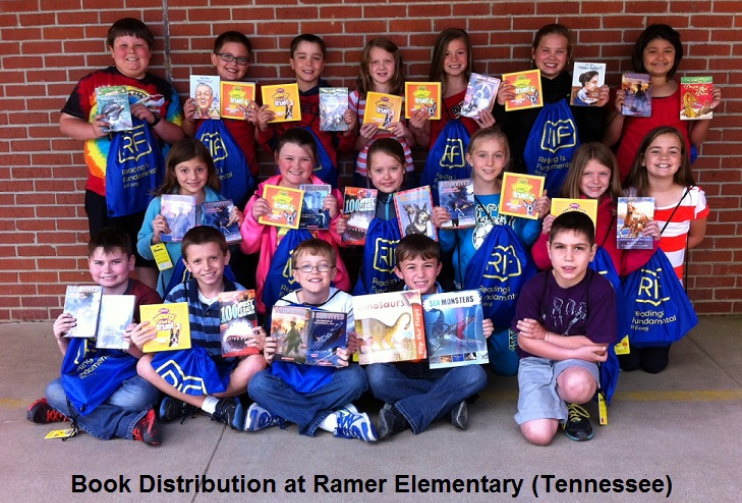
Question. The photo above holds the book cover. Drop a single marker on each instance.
(285, 206)
(333, 103)
(632, 214)
(453, 329)
(236, 98)
(390, 327)
(216, 214)
(328, 334)
(180, 213)
(382, 109)
(696, 98)
(587, 79)
(519, 194)
(457, 196)
(172, 325)
(283, 99)
(481, 92)
(414, 209)
(359, 209)
(638, 95)
(238, 319)
(290, 326)
(83, 303)
(426, 95)
(307, 336)
(528, 93)
(205, 90)
(116, 313)
(587, 206)
(313, 214)
(113, 102)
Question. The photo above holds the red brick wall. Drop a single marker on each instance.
(47, 45)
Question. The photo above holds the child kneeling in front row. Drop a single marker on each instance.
(314, 397)
(565, 319)
(414, 394)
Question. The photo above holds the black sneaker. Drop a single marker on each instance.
(578, 427)
(146, 430)
(391, 422)
(172, 408)
(41, 412)
(460, 416)
(230, 412)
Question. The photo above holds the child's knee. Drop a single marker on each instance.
(577, 385)
(539, 431)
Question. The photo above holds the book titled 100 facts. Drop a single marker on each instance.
(359, 209)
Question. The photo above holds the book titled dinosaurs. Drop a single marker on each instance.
(632, 215)
(238, 320)
(414, 209)
(307, 336)
(172, 325)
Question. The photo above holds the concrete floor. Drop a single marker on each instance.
(682, 427)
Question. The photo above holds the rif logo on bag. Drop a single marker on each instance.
(130, 146)
(503, 263)
(215, 144)
(649, 288)
(558, 135)
(453, 155)
(384, 254)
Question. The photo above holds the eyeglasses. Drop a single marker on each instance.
(228, 58)
(307, 268)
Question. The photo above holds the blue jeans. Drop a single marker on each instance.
(421, 394)
(308, 410)
(502, 355)
(116, 416)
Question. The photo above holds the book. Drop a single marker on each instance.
(632, 214)
(390, 327)
(236, 98)
(414, 209)
(457, 196)
(696, 98)
(333, 103)
(587, 206)
(519, 194)
(216, 214)
(283, 99)
(481, 92)
(238, 319)
(180, 213)
(113, 102)
(638, 95)
(359, 209)
(426, 95)
(453, 329)
(587, 79)
(116, 313)
(313, 214)
(171, 323)
(205, 90)
(382, 109)
(285, 206)
(307, 336)
(83, 303)
(528, 93)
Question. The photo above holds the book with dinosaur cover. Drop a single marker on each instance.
(307, 336)
(113, 102)
(283, 99)
(238, 319)
(481, 92)
(390, 327)
(205, 90)
(172, 325)
(180, 213)
(453, 329)
(314, 216)
(528, 92)
(587, 79)
(637, 95)
(587, 206)
(457, 196)
(414, 209)
(359, 209)
(333, 103)
(632, 214)
(519, 194)
(116, 313)
(285, 204)
(382, 109)
(696, 98)
(216, 214)
(237, 97)
(83, 303)
(426, 95)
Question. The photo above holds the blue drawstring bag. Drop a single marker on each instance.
(447, 158)
(280, 280)
(325, 169)
(192, 371)
(377, 273)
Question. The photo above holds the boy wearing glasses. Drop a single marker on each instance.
(315, 397)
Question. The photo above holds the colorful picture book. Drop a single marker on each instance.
(453, 329)
(638, 95)
(180, 213)
(425, 95)
(528, 93)
(519, 194)
(172, 325)
(205, 90)
(236, 98)
(359, 209)
(116, 313)
(83, 303)
(285, 206)
(414, 211)
(216, 214)
(587, 79)
(696, 98)
(313, 214)
(283, 99)
(481, 92)
(632, 215)
(333, 103)
(238, 320)
(113, 103)
(382, 109)
(307, 336)
(390, 327)
(457, 196)
(587, 206)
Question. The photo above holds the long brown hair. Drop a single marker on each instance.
(583, 155)
(182, 151)
(364, 83)
(437, 72)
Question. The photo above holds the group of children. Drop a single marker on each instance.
(556, 338)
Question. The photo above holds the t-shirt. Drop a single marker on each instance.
(675, 236)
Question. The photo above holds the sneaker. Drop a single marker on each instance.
(41, 412)
(578, 427)
(258, 418)
(146, 430)
(172, 408)
(391, 422)
(352, 425)
(460, 416)
(230, 412)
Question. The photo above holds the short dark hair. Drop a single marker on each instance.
(232, 36)
(201, 235)
(132, 27)
(111, 240)
(315, 246)
(574, 221)
(312, 39)
(587, 77)
(652, 32)
(415, 246)
(297, 136)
